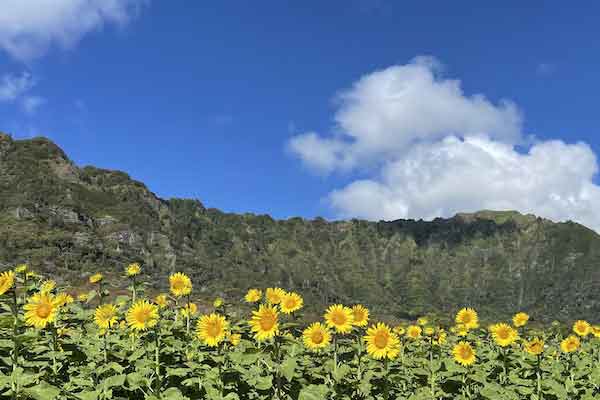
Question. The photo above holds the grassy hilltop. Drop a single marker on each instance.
(71, 221)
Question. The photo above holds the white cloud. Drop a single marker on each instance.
(29, 27)
(13, 87)
(428, 150)
(388, 110)
(30, 104)
(454, 175)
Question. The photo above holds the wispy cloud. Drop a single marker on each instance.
(545, 69)
(12, 87)
(30, 104)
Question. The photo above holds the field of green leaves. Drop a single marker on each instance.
(59, 344)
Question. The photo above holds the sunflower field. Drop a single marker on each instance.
(57, 344)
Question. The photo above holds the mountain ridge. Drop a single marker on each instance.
(71, 221)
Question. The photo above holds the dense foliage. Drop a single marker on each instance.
(94, 345)
(69, 222)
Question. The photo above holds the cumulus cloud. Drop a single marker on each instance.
(388, 110)
(552, 179)
(437, 151)
(28, 28)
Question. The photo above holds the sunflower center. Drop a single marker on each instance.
(358, 316)
(142, 315)
(267, 322)
(213, 329)
(465, 352)
(503, 334)
(338, 318)
(381, 340)
(43, 310)
(317, 337)
(178, 285)
(290, 303)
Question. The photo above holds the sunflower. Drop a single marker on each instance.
(234, 339)
(428, 331)
(339, 318)
(189, 310)
(161, 300)
(21, 268)
(82, 297)
(62, 299)
(40, 310)
(212, 329)
(414, 331)
(133, 269)
(461, 330)
(96, 278)
(534, 346)
(441, 337)
(180, 283)
(582, 328)
(7, 281)
(142, 315)
(274, 295)
(264, 322)
(464, 354)
(596, 331)
(218, 302)
(423, 321)
(399, 330)
(105, 316)
(360, 315)
(381, 342)
(291, 302)
(570, 344)
(253, 295)
(503, 334)
(48, 286)
(468, 318)
(520, 319)
(316, 336)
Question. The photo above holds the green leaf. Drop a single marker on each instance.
(112, 381)
(43, 391)
(173, 393)
(288, 368)
(314, 392)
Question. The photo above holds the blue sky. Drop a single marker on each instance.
(205, 99)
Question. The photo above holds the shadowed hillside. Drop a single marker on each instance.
(71, 221)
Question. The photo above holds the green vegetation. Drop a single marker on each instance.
(69, 222)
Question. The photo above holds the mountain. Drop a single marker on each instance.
(69, 221)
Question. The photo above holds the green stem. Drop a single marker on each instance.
(335, 355)
(220, 366)
(187, 319)
(157, 358)
(105, 347)
(15, 360)
(386, 381)
(134, 291)
(277, 371)
(466, 389)
(358, 339)
(54, 350)
(538, 375)
(431, 371)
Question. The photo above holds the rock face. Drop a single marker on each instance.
(71, 221)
